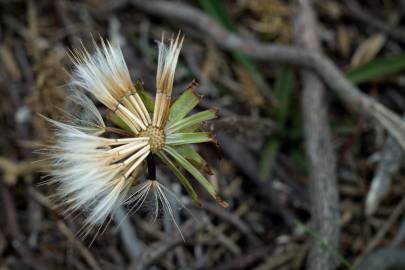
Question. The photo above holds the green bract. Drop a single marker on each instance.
(181, 131)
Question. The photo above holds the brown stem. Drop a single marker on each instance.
(151, 167)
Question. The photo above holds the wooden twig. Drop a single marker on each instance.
(391, 157)
(12, 169)
(355, 11)
(244, 125)
(14, 230)
(245, 260)
(246, 162)
(298, 56)
(128, 234)
(399, 209)
(232, 219)
(65, 230)
(19, 28)
(68, 26)
(85, 252)
(160, 248)
(400, 235)
(322, 161)
(384, 259)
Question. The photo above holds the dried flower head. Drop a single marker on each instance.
(99, 168)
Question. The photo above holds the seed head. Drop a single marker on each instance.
(99, 168)
(156, 138)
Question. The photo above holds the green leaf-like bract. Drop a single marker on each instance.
(187, 185)
(192, 170)
(188, 138)
(145, 97)
(191, 121)
(184, 104)
(192, 155)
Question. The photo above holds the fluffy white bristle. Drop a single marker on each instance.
(94, 173)
(167, 62)
(103, 74)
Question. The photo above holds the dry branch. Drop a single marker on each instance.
(79, 245)
(65, 230)
(355, 11)
(14, 231)
(160, 248)
(246, 162)
(231, 218)
(382, 232)
(388, 165)
(322, 161)
(313, 60)
(128, 234)
(384, 259)
(12, 170)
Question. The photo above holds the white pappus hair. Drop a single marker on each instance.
(167, 62)
(103, 74)
(97, 174)
(94, 173)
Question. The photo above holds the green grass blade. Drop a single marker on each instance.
(283, 91)
(216, 10)
(188, 138)
(184, 181)
(268, 157)
(377, 69)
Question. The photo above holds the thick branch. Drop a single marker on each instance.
(323, 67)
(322, 185)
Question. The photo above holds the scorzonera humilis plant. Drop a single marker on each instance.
(99, 168)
